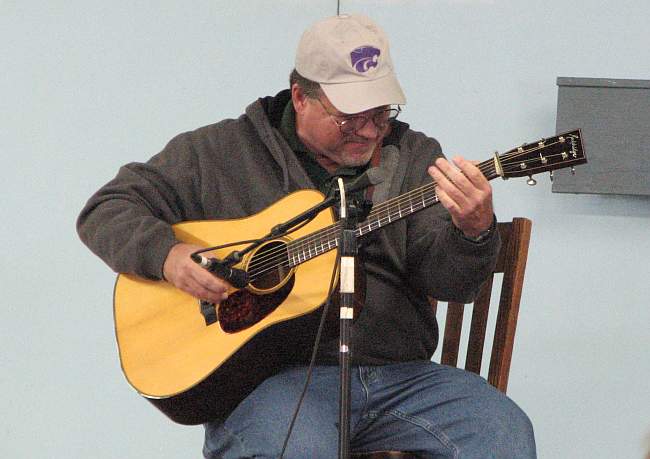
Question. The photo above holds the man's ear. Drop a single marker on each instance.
(298, 98)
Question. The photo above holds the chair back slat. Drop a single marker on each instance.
(453, 329)
(515, 257)
(478, 327)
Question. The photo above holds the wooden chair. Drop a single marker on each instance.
(515, 237)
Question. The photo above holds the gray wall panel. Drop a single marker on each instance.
(614, 115)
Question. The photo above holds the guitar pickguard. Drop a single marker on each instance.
(244, 309)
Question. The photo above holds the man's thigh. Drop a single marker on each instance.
(259, 425)
(440, 411)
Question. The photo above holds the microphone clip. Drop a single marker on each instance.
(238, 278)
(359, 209)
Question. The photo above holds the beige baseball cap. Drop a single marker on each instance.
(349, 56)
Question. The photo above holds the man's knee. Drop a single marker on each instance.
(505, 430)
(500, 427)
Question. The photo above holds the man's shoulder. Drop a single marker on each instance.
(416, 142)
(415, 148)
(258, 116)
(226, 125)
(217, 131)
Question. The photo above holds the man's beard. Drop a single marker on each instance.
(356, 160)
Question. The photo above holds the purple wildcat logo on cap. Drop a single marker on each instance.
(364, 57)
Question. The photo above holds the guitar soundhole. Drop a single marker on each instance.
(269, 266)
(244, 309)
(268, 269)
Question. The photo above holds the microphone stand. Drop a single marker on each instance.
(348, 249)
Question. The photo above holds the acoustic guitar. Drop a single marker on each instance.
(197, 361)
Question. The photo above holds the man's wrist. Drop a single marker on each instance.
(482, 236)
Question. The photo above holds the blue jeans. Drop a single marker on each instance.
(424, 407)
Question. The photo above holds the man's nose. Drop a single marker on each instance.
(369, 130)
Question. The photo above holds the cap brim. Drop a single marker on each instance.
(363, 95)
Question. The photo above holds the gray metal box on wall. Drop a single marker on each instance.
(614, 116)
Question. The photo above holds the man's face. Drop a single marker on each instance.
(316, 126)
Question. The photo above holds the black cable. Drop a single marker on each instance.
(312, 360)
(223, 246)
(251, 241)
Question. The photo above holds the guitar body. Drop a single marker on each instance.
(194, 371)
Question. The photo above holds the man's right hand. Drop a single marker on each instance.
(185, 274)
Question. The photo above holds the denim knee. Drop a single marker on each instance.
(507, 431)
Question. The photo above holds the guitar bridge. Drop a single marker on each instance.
(209, 312)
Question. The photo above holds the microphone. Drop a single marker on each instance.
(238, 278)
(372, 176)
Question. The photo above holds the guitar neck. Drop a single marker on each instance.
(545, 155)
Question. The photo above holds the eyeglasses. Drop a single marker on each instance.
(349, 124)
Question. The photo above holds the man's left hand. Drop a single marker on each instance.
(465, 192)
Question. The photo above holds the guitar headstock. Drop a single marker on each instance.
(563, 150)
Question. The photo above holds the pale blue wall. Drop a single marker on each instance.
(88, 86)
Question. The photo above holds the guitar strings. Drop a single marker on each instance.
(386, 210)
(266, 262)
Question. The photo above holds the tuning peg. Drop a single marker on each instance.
(573, 170)
(550, 174)
(531, 181)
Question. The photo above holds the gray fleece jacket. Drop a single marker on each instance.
(237, 167)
